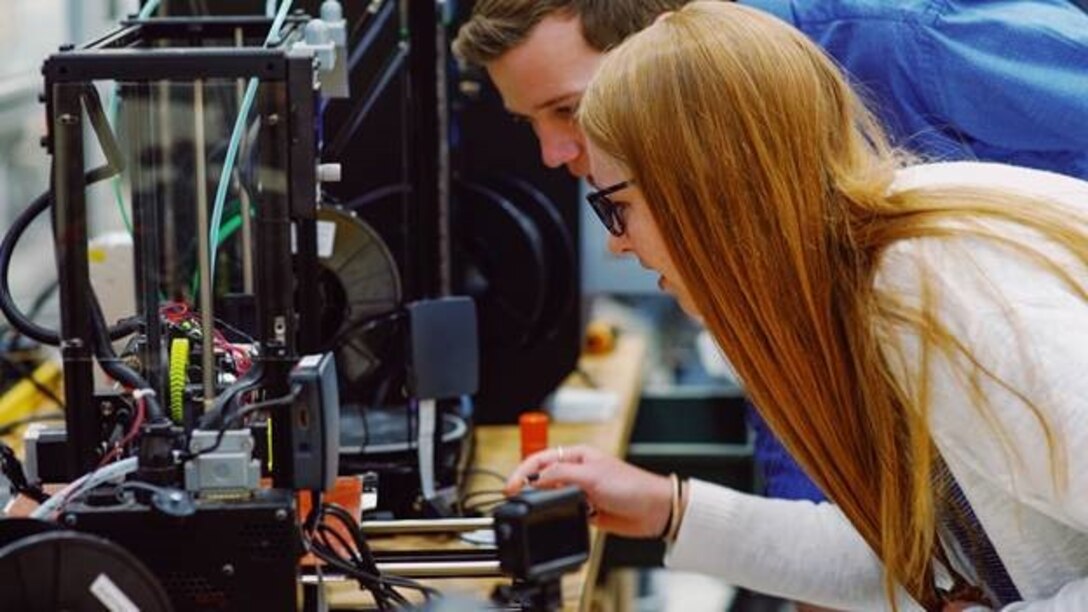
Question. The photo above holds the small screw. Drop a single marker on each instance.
(281, 515)
(228, 570)
(70, 520)
(68, 119)
(273, 119)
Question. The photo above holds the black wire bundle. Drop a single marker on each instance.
(228, 401)
(355, 559)
(114, 165)
(118, 369)
(13, 469)
(238, 417)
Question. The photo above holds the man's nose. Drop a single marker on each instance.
(557, 148)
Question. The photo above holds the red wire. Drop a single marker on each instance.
(133, 430)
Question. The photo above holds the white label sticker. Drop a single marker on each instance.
(111, 596)
(326, 238)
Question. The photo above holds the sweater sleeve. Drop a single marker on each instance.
(794, 549)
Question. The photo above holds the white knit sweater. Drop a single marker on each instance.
(810, 552)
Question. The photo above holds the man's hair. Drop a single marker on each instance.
(497, 26)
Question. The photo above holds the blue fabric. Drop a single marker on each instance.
(781, 475)
(992, 80)
(980, 550)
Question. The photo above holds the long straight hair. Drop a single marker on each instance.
(770, 183)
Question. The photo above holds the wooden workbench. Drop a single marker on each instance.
(498, 450)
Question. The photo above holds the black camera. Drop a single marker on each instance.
(542, 534)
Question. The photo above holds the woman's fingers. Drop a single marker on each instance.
(626, 500)
(528, 472)
(531, 466)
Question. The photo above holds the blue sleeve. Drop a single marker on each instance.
(1011, 75)
(782, 477)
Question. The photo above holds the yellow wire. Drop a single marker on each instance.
(179, 367)
(24, 398)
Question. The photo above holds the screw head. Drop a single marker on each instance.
(281, 515)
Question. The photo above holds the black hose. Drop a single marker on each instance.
(21, 322)
(18, 320)
(376, 194)
(373, 23)
(228, 400)
(115, 367)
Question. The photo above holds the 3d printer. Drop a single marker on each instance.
(195, 417)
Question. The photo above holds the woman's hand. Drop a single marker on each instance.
(964, 606)
(624, 499)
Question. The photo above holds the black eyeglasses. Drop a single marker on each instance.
(606, 209)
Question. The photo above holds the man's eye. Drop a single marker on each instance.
(566, 112)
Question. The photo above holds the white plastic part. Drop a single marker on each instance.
(329, 173)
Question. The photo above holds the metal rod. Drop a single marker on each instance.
(82, 415)
(442, 110)
(423, 107)
(446, 569)
(243, 193)
(203, 248)
(453, 525)
(169, 267)
(443, 569)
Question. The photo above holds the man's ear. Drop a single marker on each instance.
(662, 16)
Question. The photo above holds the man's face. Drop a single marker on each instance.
(542, 81)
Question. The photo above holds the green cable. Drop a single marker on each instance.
(228, 228)
(236, 137)
(111, 116)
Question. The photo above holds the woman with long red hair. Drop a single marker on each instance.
(915, 333)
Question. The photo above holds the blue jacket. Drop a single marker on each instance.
(992, 80)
